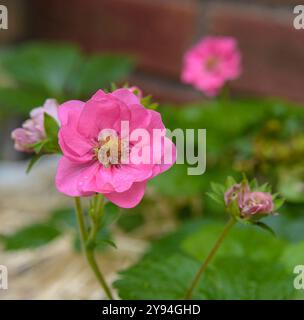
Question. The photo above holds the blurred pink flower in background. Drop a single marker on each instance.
(210, 63)
(32, 130)
(86, 167)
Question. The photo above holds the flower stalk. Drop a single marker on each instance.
(88, 239)
(211, 254)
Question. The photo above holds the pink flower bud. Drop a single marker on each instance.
(32, 130)
(249, 202)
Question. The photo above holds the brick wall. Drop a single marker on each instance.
(17, 26)
(158, 32)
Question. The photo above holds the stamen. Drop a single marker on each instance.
(211, 63)
(111, 150)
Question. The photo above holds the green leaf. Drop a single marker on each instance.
(103, 239)
(265, 227)
(32, 162)
(241, 278)
(110, 242)
(154, 279)
(38, 146)
(30, 237)
(293, 256)
(218, 199)
(253, 184)
(241, 241)
(148, 103)
(51, 127)
(230, 278)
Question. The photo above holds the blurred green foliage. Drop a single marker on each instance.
(263, 138)
(60, 221)
(32, 72)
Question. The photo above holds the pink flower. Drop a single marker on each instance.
(257, 203)
(90, 134)
(32, 130)
(210, 63)
(249, 202)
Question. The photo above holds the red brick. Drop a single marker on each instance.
(272, 49)
(157, 32)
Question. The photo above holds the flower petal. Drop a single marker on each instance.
(98, 115)
(69, 112)
(74, 146)
(126, 96)
(129, 198)
(68, 176)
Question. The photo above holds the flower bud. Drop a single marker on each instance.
(32, 130)
(248, 203)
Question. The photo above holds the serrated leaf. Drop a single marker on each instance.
(154, 279)
(229, 278)
(249, 265)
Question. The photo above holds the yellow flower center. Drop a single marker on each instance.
(211, 63)
(111, 150)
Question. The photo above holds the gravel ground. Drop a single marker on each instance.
(56, 271)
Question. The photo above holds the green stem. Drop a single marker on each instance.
(96, 216)
(89, 252)
(211, 254)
